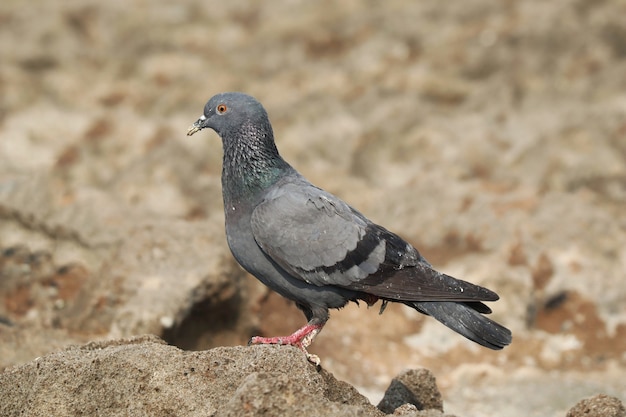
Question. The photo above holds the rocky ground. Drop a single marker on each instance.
(492, 135)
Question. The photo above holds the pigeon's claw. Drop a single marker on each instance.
(314, 359)
(301, 339)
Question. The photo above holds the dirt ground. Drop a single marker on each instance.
(491, 135)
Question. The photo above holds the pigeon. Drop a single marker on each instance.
(313, 248)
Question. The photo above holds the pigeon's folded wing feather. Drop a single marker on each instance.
(315, 236)
(318, 238)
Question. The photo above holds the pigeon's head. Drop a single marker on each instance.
(227, 113)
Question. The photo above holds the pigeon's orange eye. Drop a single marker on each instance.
(221, 108)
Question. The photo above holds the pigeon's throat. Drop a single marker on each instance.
(251, 166)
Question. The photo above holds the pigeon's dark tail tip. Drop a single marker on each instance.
(499, 337)
(468, 322)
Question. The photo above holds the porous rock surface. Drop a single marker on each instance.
(145, 376)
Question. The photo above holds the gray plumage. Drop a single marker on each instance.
(313, 248)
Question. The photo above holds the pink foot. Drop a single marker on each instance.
(301, 338)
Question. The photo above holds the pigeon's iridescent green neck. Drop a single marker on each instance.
(251, 161)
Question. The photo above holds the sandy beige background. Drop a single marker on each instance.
(492, 135)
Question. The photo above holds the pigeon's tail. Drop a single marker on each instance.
(467, 320)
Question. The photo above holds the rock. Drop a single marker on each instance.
(409, 410)
(600, 405)
(145, 376)
(417, 387)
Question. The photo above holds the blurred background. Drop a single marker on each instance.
(491, 135)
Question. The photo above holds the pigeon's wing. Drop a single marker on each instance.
(320, 239)
(315, 236)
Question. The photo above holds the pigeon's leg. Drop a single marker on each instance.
(301, 338)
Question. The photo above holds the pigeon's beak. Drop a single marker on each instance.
(197, 126)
